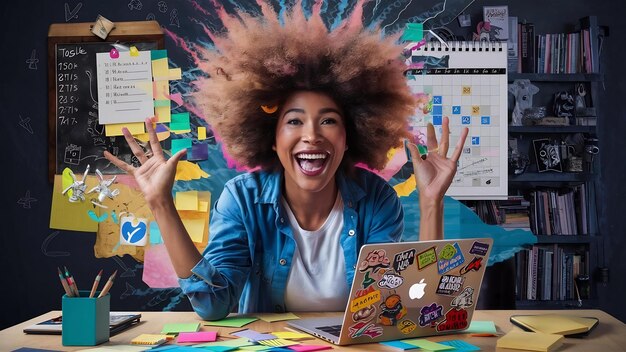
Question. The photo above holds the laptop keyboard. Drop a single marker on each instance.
(332, 329)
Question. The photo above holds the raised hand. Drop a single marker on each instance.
(434, 173)
(155, 176)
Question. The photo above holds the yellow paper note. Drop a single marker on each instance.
(175, 74)
(163, 114)
(272, 317)
(187, 171)
(187, 200)
(160, 69)
(195, 227)
(203, 206)
(201, 133)
(65, 215)
(290, 335)
(405, 188)
(115, 129)
(530, 341)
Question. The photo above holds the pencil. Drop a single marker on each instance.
(95, 284)
(108, 285)
(71, 282)
(68, 292)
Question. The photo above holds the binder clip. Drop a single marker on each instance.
(102, 27)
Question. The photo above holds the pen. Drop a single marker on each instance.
(108, 285)
(95, 284)
(68, 292)
(71, 282)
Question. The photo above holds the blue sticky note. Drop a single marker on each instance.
(413, 32)
(155, 233)
(437, 110)
(437, 120)
(460, 345)
(180, 144)
(456, 110)
(485, 120)
(399, 344)
(199, 152)
(158, 54)
(476, 140)
(437, 100)
(466, 120)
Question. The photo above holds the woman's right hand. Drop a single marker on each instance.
(155, 176)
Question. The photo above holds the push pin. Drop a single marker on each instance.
(103, 190)
(114, 53)
(134, 51)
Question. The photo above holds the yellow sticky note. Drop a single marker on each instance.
(115, 129)
(290, 335)
(163, 113)
(65, 215)
(161, 90)
(405, 188)
(195, 228)
(175, 73)
(187, 171)
(160, 69)
(203, 206)
(134, 51)
(187, 200)
(201, 133)
(272, 317)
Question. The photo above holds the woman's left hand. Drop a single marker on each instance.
(434, 173)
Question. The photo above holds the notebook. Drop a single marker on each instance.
(118, 321)
(530, 341)
(408, 289)
(565, 325)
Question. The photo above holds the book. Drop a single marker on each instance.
(530, 341)
(149, 339)
(555, 324)
(498, 18)
(118, 321)
(512, 52)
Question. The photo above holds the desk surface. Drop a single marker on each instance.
(610, 335)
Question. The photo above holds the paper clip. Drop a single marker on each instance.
(134, 51)
(114, 53)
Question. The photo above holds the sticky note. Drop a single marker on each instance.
(195, 228)
(179, 144)
(201, 133)
(180, 122)
(399, 344)
(460, 345)
(309, 348)
(155, 233)
(174, 74)
(255, 348)
(291, 335)
(230, 343)
(232, 322)
(175, 328)
(199, 336)
(158, 54)
(163, 113)
(134, 51)
(115, 129)
(199, 152)
(187, 200)
(413, 32)
(187, 171)
(161, 90)
(272, 317)
(477, 326)
(428, 345)
(253, 335)
(277, 342)
(403, 189)
(159, 103)
(203, 206)
(160, 69)
(65, 215)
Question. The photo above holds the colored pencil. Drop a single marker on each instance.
(95, 284)
(68, 292)
(71, 282)
(108, 285)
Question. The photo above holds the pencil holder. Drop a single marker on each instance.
(85, 320)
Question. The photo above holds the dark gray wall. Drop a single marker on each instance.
(31, 251)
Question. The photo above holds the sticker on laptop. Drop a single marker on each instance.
(403, 260)
(430, 314)
(367, 280)
(426, 258)
(479, 248)
(374, 260)
(363, 328)
(456, 319)
(463, 300)
(363, 292)
(406, 326)
(450, 284)
(390, 281)
(364, 301)
(364, 314)
(450, 257)
(474, 265)
(391, 310)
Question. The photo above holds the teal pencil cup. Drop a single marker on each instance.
(85, 320)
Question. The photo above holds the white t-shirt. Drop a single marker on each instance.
(317, 279)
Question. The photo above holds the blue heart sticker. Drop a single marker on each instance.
(132, 233)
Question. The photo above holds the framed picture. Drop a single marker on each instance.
(547, 155)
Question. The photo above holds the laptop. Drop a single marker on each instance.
(408, 289)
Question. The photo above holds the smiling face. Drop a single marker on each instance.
(310, 142)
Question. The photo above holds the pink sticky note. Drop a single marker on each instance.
(200, 336)
(158, 271)
(309, 348)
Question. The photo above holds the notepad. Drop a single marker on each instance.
(149, 339)
(555, 323)
(530, 341)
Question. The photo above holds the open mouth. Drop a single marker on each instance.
(312, 164)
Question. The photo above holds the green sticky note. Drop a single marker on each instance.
(232, 322)
(158, 103)
(180, 122)
(428, 345)
(158, 54)
(180, 144)
(477, 327)
(414, 32)
(172, 328)
(240, 342)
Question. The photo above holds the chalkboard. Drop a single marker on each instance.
(76, 138)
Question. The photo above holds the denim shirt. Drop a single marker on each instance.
(247, 261)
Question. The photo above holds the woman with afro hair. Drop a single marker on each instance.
(301, 105)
